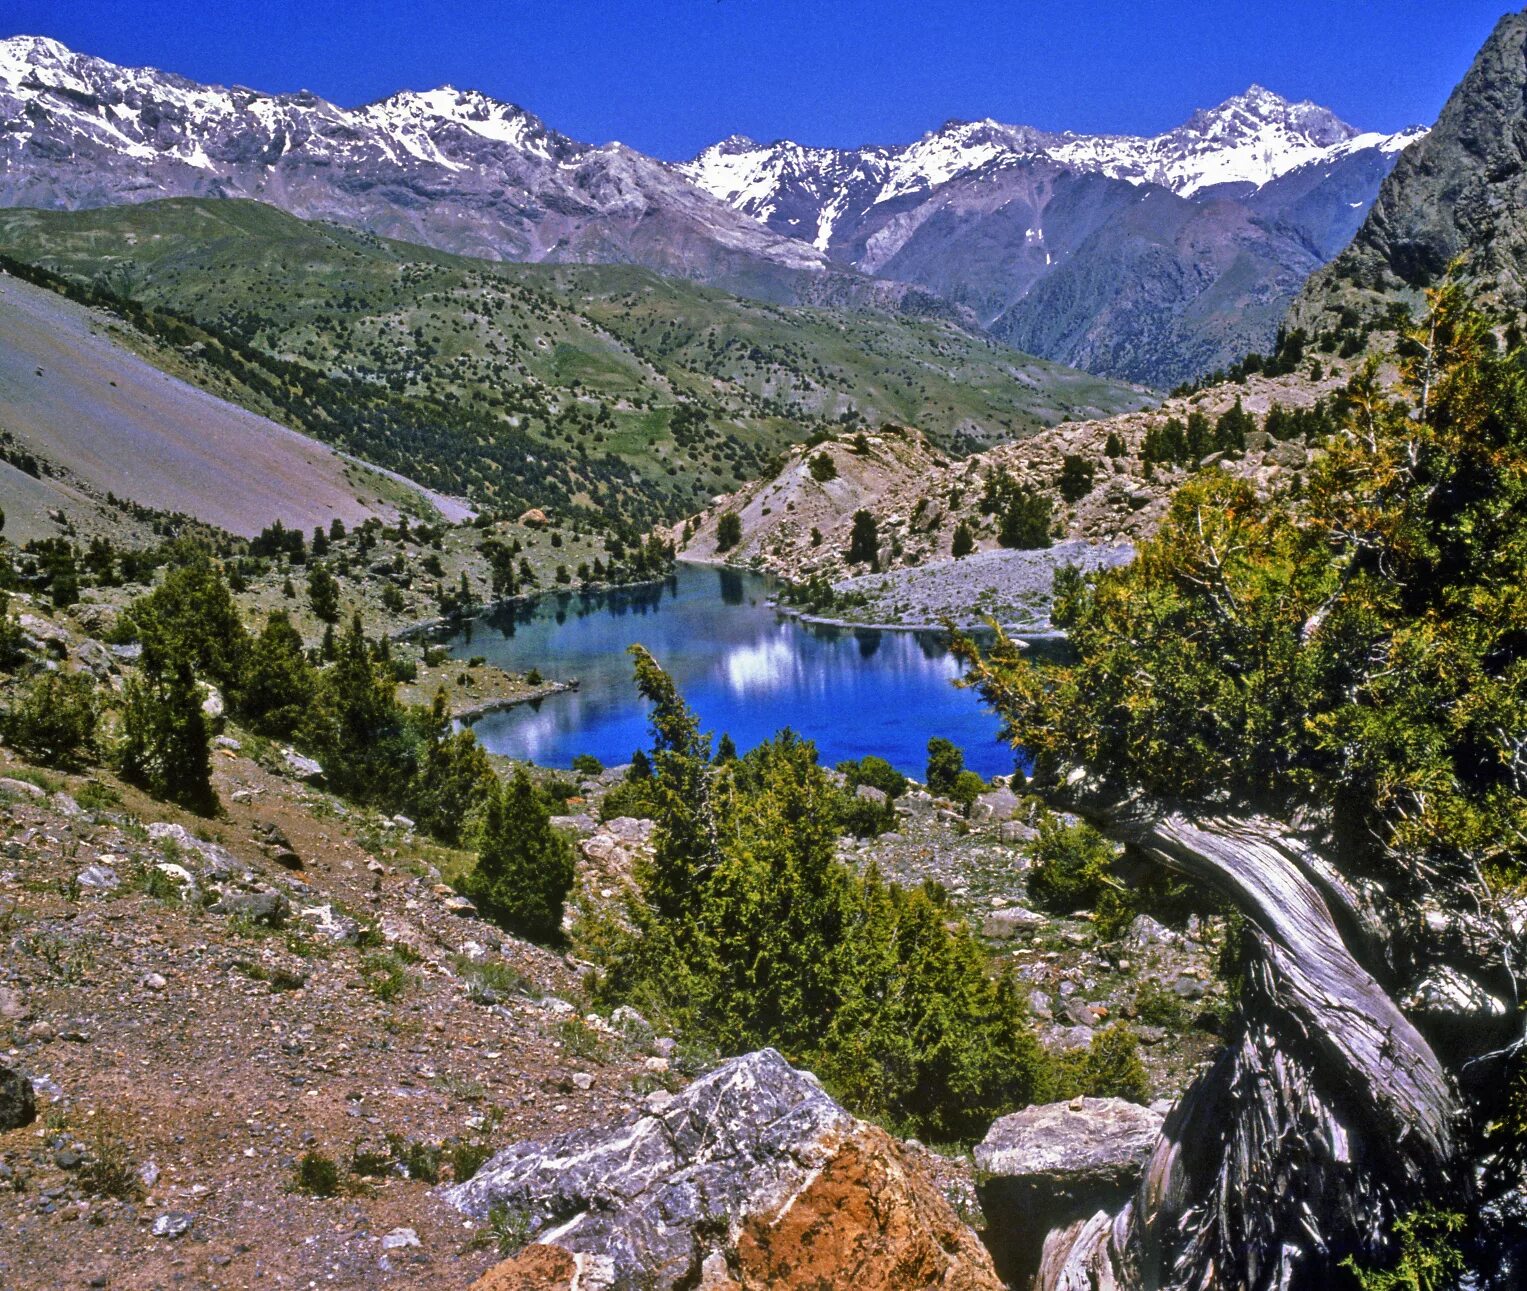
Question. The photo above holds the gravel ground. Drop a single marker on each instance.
(1012, 587)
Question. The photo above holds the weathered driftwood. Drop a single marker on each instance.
(1327, 1114)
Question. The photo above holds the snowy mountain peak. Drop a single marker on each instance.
(1247, 141)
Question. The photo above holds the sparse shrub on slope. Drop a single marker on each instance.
(52, 719)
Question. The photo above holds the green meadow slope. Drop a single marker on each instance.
(606, 387)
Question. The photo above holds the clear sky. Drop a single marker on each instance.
(670, 76)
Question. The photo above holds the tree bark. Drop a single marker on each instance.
(1326, 1116)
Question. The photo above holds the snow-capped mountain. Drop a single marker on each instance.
(451, 168)
(1242, 145)
(1151, 259)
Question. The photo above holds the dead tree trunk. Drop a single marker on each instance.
(1327, 1114)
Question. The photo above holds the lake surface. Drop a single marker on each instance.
(744, 668)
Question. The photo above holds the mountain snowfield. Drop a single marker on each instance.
(1146, 259)
(1246, 142)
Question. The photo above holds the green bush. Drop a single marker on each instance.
(945, 762)
(875, 772)
(53, 720)
(165, 734)
(628, 798)
(316, 1175)
(823, 468)
(1076, 475)
(1429, 1257)
(968, 786)
(728, 531)
(524, 867)
(864, 540)
(1072, 865)
(1109, 1067)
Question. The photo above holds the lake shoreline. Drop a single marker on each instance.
(746, 664)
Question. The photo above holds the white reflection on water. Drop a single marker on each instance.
(742, 668)
(762, 667)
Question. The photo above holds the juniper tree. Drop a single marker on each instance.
(524, 867)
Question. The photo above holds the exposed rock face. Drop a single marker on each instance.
(1055, 1167)
(1460, 191)
(751, 1177)
(18, 1104)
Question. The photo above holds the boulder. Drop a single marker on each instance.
(868, 793)
(13, 1005)
(98, 878)
(268, 907)
(302, 767)
(750, 1177)
(331, 925)
(1016, 831)
(1009, 922)
(1055, 1166)
(215, 864)
(18, 1104)
(609, 854)
(996, 806)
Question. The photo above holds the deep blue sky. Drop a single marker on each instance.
(669, 76)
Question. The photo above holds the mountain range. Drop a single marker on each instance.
(1150, 259)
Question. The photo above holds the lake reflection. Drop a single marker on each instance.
(745, 669)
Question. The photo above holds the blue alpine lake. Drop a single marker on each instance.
(746, 669)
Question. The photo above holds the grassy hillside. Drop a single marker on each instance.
(87, 419)
(605, 387)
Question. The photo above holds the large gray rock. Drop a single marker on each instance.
(998, 805)
(213, 862)
(267, 907)
(640, 1200)
(18, 1104)
(1010, 921)
(1056, 1165)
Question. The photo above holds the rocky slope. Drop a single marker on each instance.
(94, 418)
(1155, 259)
(798, 526)
(1458, 192)
(200, 1015)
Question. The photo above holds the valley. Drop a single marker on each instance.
(576, 722)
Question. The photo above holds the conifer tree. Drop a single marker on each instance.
(524, 867)
(165, 733)
(864, 540)
(323, 592)
(277, 685)
(945, 762)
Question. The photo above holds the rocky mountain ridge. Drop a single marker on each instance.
(449, 168)
(1248, 140)
(1153, 258)
(1458, 193)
